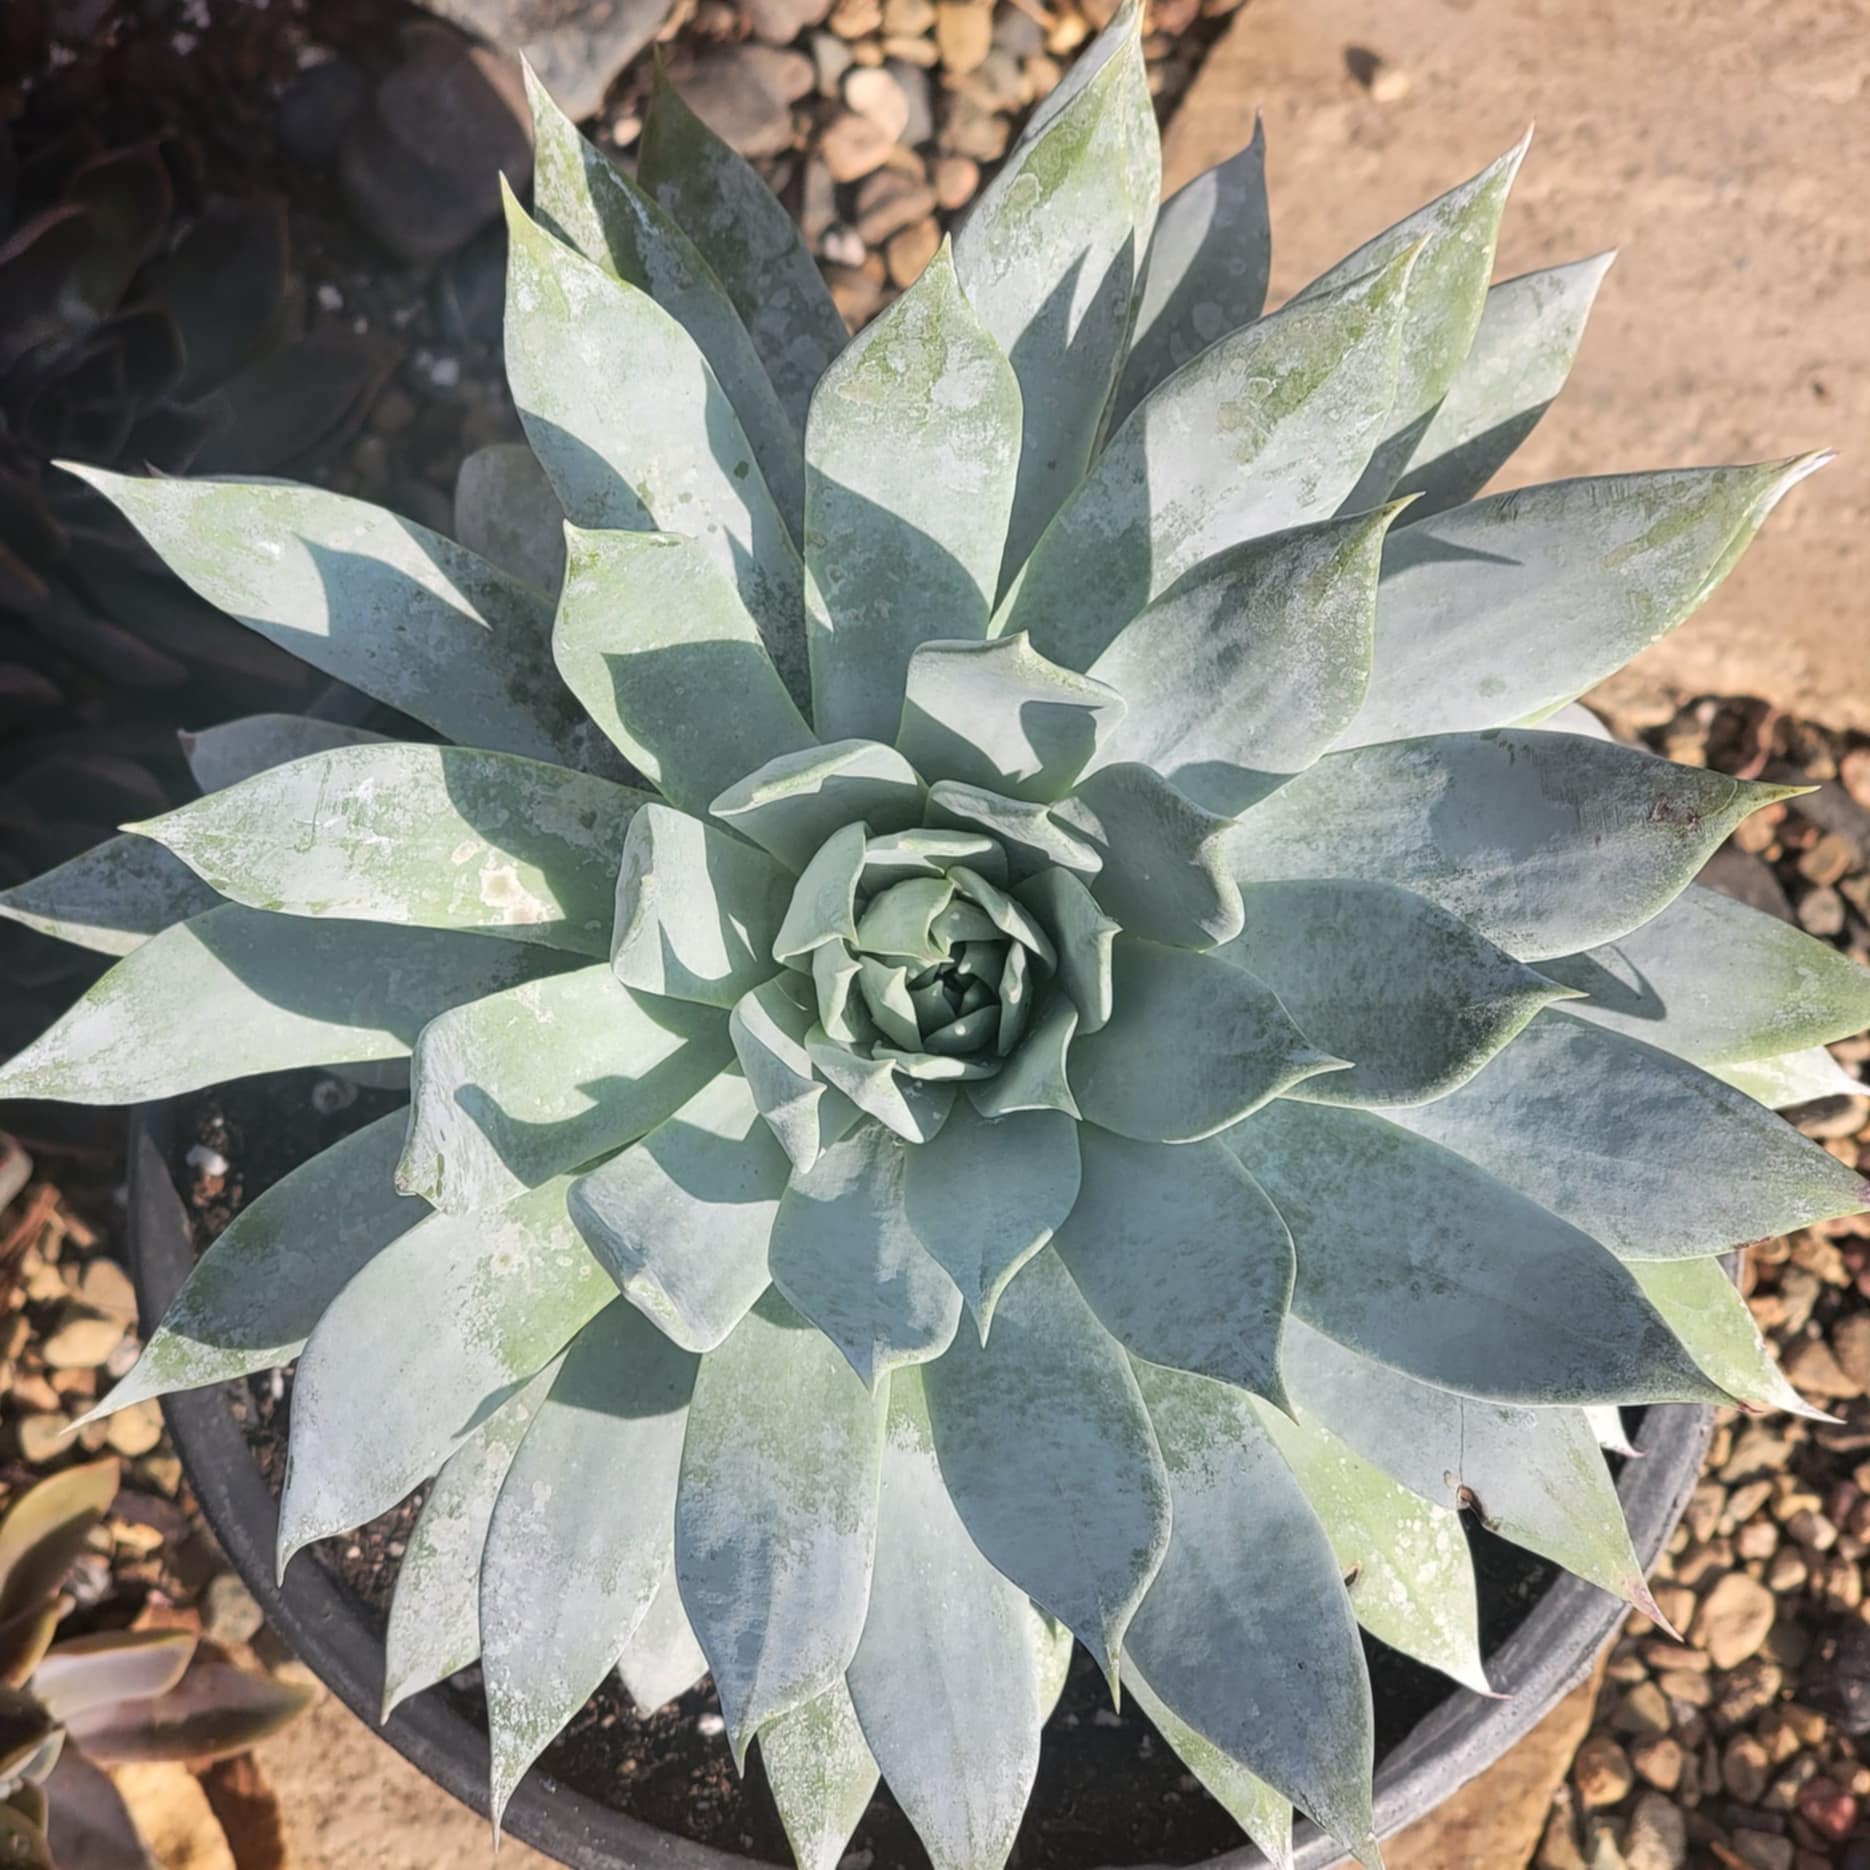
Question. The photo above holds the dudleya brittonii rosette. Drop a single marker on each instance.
(1135, 1057)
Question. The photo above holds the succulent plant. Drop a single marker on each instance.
(113, 1697)
(150, 323)
(1040, 1022)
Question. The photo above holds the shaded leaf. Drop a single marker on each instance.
(570, 1567)
(251, 1300)
(698, 912)
(1025, 835)
(1251, 1641)
(111, 898)
(1502, 609)
(945, 1681)
(749, 240)
(1522, 352)
(1047, 1453)
(1207, 270)
(237, 991)
(1635, 1147)
(657, 644)
(231, 751)
(429, 837)
(654, 447)
(1182, 1257)
(845, 1253)
(1450, 1275)
(421, 1347)
(793, 804)
(1381, 976)
(505, 509)
(371, 599)
(681, 1219)
(775, 1517)
(1266, 430)
(983, 1197)
(1193, 1044)
(1084, 936)
(910, 455)
(1245, 670)
(1543, 843)
(662, 1659)
(769, 1028)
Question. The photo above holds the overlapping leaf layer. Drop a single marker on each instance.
(1028, 1016)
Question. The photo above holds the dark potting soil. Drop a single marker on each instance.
(1108, 1791)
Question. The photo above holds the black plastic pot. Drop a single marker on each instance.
(1548, 1655)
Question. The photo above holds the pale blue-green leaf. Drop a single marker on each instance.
(1502, 609)
(255, 1294)
(1713, 980)
(1163, 868)
(1251, 1803)
(823, 905)
(110, 899)
(1606, 1421)
(1534, 1476)
(655, 641)
(1206, 272)
(505, 509)
(1789, 1078)
(543, 1078)
(775, 1518)
(822, 1776)
(421, 1347)
(1705, 1310)
(1637, 1148)
(792, 804)
(1182, 1257)
(1027, 838)
(1455, 236)
(237, 991)
(654, 447)
(1250, 1639)
(1522, 352)
(1050, 258)
(662, 1659)
(946, 1679)
(226, 754)
(749, 240)
(841, 1010)
(999, 717)
(1245, 670)
(928, 852)
(1192, 1045)
(910, 455)
(573, 1558)
(429, 837)
(886, 992)
(1006, 915)
(583, 198)
(1047, 1453)
(697, 911)
(1034, 1078)
(371, 599)
(1450, 1275)
(1266, 430)
(1084, 936)
(1052, 1644)
(899, 922)
(434, 1622)
(1409, 993)
(251, 1300)
(1405, 1560)
(1573, 718)
(768, 1028)
(847, 1256)
(1543, 843)
(681, 1219)
(984, 1197)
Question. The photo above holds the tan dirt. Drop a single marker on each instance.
(1723, 146)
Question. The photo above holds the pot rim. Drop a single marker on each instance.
(1548, 1655)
